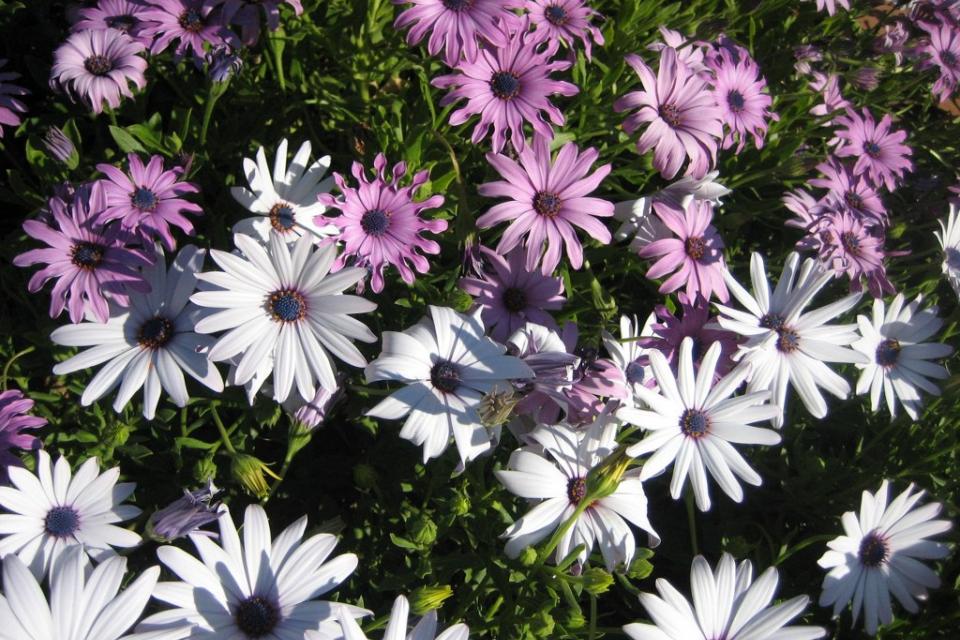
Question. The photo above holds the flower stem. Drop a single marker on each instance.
(224, 436)
(692, 522)
(593, 617)
(216, 90)
(562, 530)
(276, 48)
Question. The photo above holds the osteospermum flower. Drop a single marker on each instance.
(10, 106)
(396, 629)
(727, 604)
(878, 148)
(852, 191)
(455, 25)
(509, 295)
(282, 311)
(629, 353)
(847, 246)
(89, 263)
(186, 514)
(150, 345)
(695, 255)
(55, 509)
(14, 421)
(83, 605)
(191, 23)
(147, 200)
(560, 472)
(949, 238)
(549, 197)
(246, 15)
(285, 200)
(693, 321)
(543, 350)
(738, 89)
(895, 341)
(828, 85)
(507, 86)
(380, 224)
(447, 365)
(594, 379)
(126, 16)
(97, 66)
(942, 47)
(566, 21)
(786, 346)
(830, 6)
(879, 555)
(682, 117)
(250, 589)
(693, 423)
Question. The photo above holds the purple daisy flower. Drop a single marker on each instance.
(97, 66)
(455, 25)
(13, 422)
(682, 116)
(830, 6)
(566, 21)
(147, 200)
(86, 260)
(126, 16)
(506, 86)
(548, 199)
(542, 350)
(852, 191)
(693, 321)
(806, 208)
(380, 224)
(9, 105)
(594, 378)
(829, 87)
(696, 254)
(191, 23)
(510, 295)
(738, 89)
(943, 52)
(849, 247)
(246, 15)
(879, 150)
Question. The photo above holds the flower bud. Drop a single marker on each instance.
(425, 599)
(461, 504)
(249, 472)
(204, 470)
(185, 515)
(604, 479)
(61, 147)
(496, 407)
(575, 619)
(596, 581)
(542, 625)
(423, 531)
(528, 557)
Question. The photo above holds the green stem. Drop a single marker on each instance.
(692, 522)
(216, 90)
(224, 436)
(562, 530)
(593, 617)
(6, 367)
(276, 48)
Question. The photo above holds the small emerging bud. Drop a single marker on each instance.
(223, 64)
(496, 407)
(603, 480)
(185, 515)
(528, 556)
(60, 146)
(423, 600)
(204, 470)
(423, 531)
(312, 414)
(542, 625)
(249, 471)
(596, 581)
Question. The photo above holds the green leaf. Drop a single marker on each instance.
(126, 142)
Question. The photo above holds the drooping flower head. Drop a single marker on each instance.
(695, 322)
(246, 15)
(185, 515)
(878, 148)
(223, 63)
(549, 197)
(97, 66)
(126, 16)
(381, 224)
(14, 421)
(10, 106)
(942, 49)
(191, 23)
(566, 21)
(507, 86)
(738, 89)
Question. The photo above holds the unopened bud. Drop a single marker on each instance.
(596, 581)
(249, 472)
(496, 407)
(423, 600)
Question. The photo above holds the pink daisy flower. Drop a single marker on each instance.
(829, 87)
(147, 199)
(506, 86)
(13, 422)
(695, 255)
(9, 105)
(852, 191)
(594, 379)
(738, 89)
(693, 321)
(98, 66)
(689, 52)
(380, 224)
(805, 207)
(566, 21)
(830, 6)
(88, 262)
(126, 16)
(682, 116)
(189, 22)
(510, 295)
(879, 150)
(849, 247)
(548, 199)
(455, 25)
(943, 51)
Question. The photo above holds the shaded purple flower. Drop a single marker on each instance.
(738, 89)
(98, 66)
(223, 63)
(246, 15)
(87, 261)
(9, 105)
(849, 247)
(851, 191)
(59, 145)
(594, 378)
(542, 350)
(693, 321)
(879, 150)
(126, 16)
(185, 515)
(805, 207)
(942, 50)
(510, 295)
(147, 200)
(866, 78)
(805, 54)
(191, 23)
(549, 197)
(13, 422)
(695, 255)
(893, 38)
(829, 87)
(380, 223)
(506, 86)
(455, 25)
(682, 116)
(566, 21)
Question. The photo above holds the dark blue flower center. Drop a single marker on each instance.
(853, 200)
(281, 217)
(98, 65)
(695, 246)
(144, 199)
(287, 305)
(547, 204)
(788, 340)
(872, 149)
(576, 490)
(375, 222)
(888, 352)
(256, 616)
(155, 333)
(121, 23)
(850, 242)
(735, 101)
(62, 522)
(635, 373)
(505, 85)
(445, 376)
(515, 300)
(873, 550)
(87, 255)
(694, 423)
(670, 113)
(457, 5)
(192, 20)
(948, 59)
(772, 321)
(556, 15)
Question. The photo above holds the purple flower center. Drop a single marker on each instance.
(445, 376)
(850, 242)
(789, 341)
(62, 521)
(121, 23)
(375, 222)
(888, 352)
(287, 305)
(515, 300)
(872, 149)
(948, 59)
(735, 101)
(281, 217)
(192, 20)
(457, 5)
(546, 203)
(670, 113)
(144, 199)
(98, 65)
(505, 85)
(86, 255)
(695, 247)
(694, 423)
(576, 490)
(853, 200)
(256, 616)
(634, 373)
(873, 550)
(556, 15)
(155, 333)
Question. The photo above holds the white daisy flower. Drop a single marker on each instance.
(557, 476)
(81, 606)
(627, 353)
(880, 555)
(148, 345)
(786, 346)
(253, 589)
(282, 311)
(286, 201)
(694, 424)
(894, 341)
(726, 604)
(396, 629)
(949, 237)
(56, 509)
(448, 364)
